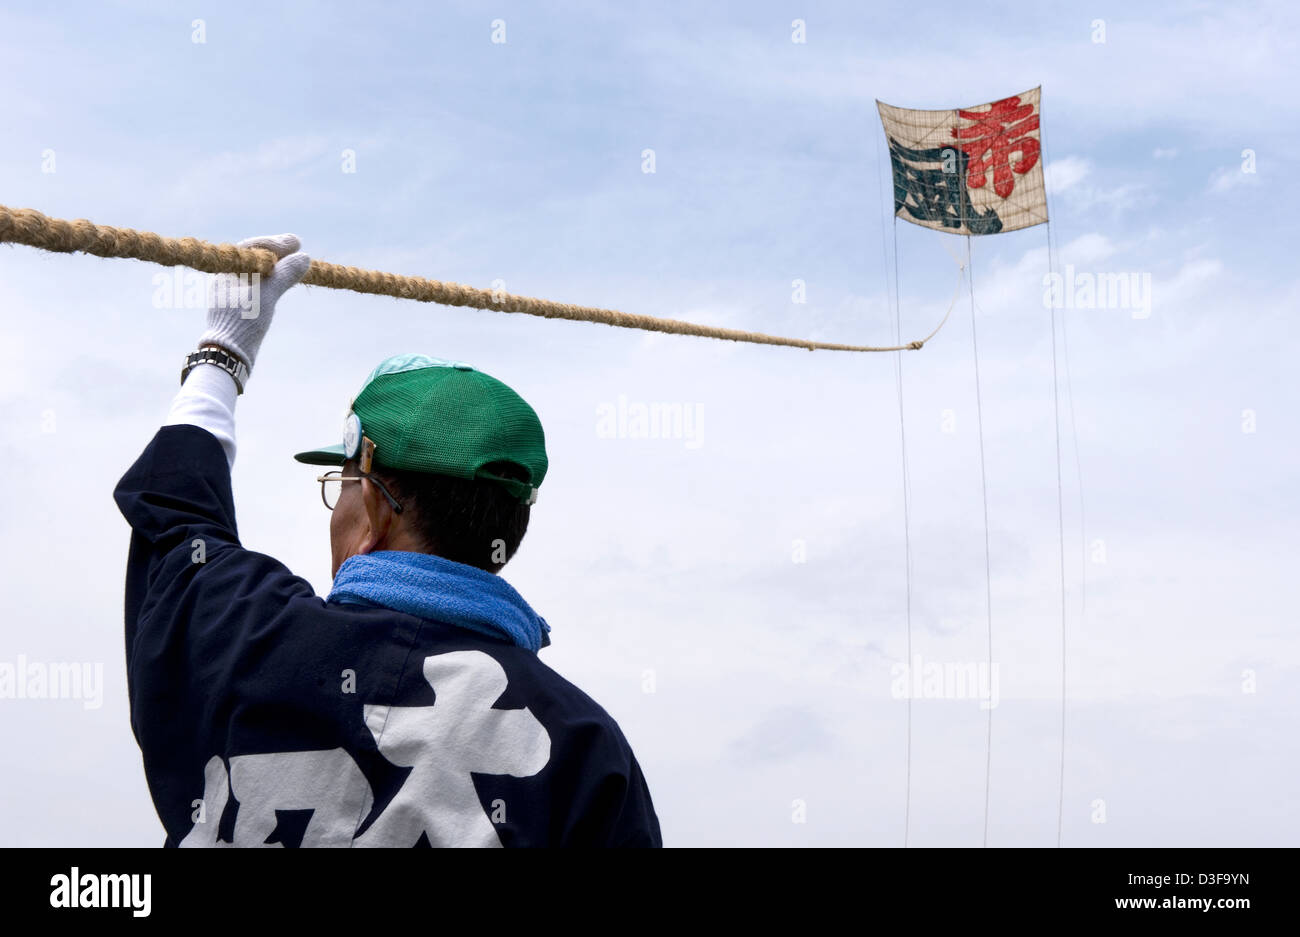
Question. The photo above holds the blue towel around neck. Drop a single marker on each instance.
(441, 590)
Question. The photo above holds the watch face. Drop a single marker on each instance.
(351, 436)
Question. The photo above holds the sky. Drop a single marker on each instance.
(735, 594)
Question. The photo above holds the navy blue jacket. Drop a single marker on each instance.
(268, 716)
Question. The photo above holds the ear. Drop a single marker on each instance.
(379, 517)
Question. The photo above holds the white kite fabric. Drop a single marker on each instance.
(972, 170)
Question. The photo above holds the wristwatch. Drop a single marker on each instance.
(229, 363)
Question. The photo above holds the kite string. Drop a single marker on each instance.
(30, 227)
(1074, 436)
(907, 529)
(988, 570)
(1060, 509)
(1060, 522)
(1052, 264)
(907, 524)
(902, 437)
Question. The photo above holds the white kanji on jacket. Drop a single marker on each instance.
(442, 744)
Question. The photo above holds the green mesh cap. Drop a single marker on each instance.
(443, 418)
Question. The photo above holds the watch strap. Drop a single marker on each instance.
(229, 363)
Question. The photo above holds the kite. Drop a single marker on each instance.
(973, 170)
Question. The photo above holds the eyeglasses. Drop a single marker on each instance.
(331, 486)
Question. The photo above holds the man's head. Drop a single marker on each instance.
(472, 522)
(437, 458)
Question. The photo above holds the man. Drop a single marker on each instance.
(408, 707)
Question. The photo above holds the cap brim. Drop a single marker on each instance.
(330, 455)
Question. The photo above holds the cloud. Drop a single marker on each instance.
(1063, 174)
(1188, 284)
(265, 164)
(1232, 177)
(783, 733)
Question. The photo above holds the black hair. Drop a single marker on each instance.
(471, 521)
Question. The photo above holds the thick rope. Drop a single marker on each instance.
(30, 227)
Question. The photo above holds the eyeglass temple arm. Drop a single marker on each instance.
(329, 477)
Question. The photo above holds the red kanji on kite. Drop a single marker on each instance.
(997, 133)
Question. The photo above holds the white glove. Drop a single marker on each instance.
(240, 307)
